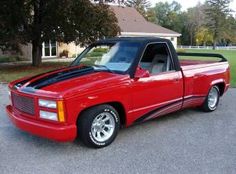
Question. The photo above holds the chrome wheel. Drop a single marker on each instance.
(213, 98)
(103, 127)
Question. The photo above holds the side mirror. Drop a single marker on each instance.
(141, 73)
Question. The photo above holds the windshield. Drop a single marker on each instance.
(115, 57)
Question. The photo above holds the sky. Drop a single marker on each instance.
(190, 3)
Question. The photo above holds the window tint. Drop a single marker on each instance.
(156, 59)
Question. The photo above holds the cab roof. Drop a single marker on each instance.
(133, 39)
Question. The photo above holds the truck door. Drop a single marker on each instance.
(161, 91)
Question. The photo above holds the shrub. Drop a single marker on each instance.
(10, 59)
(74, 56)
(181, 50)
(64, 53)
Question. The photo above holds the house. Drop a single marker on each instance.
(131, 22)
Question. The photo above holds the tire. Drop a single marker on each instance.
(211, 102)
(98, 126)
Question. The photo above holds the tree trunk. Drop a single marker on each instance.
(214, 45)
(191, 38)
(36, 53)
(37, 28)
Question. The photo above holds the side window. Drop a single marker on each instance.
(157, 59)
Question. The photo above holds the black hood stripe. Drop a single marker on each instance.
(21, 83)
(60, 76)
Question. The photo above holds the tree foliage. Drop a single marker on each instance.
(167, 13)
(216, 14)
(195, 18)
(198, 25)
(140, 5)
(229, 35)
(36, 21)
(203, 36)
(150, 15)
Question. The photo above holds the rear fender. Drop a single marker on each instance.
(222, 88)
(214, 82)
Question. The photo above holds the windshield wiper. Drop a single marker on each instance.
(98, 67)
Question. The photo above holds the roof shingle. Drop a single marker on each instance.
(130, 20)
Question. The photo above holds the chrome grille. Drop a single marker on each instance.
(24, 104)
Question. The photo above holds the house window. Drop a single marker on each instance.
(49, 49)
(172, 39)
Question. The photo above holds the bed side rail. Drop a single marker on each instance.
(212, 55)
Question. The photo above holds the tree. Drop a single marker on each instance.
(229, 35)
(140, 5)
(193, 24)
(151, 15)
(36, 21)
(203, 36)
(216, 12)
(166, 12)
(168, 15)
(194, 20)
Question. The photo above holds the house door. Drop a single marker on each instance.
(49, 49)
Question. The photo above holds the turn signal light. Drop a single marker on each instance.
(61, 113)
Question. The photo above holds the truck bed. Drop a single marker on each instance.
(201, 71)
(195, 62)
(199, 60)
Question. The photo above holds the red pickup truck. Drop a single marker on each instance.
(115, 82)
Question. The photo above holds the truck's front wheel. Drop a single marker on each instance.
(98, 126)
(211, 100)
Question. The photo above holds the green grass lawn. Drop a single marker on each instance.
(13, 72)
(230, 55)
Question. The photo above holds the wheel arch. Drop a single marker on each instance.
(221, 87)
(115, 104)
(220, 84)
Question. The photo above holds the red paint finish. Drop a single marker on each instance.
(143, 97)
(155, 91)
(43, 129)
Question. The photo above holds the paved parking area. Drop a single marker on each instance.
(186, 142)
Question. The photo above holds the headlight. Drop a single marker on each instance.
(48, 115)
(47, 103)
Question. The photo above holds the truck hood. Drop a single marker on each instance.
(68, 81)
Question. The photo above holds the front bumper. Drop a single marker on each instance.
(54, 132)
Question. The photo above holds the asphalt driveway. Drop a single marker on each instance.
(189, 141)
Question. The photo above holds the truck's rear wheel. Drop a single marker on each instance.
(98, 126)
(211, 102)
